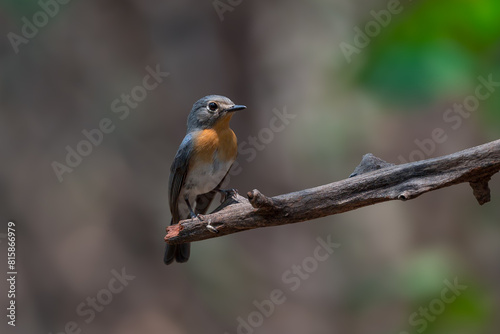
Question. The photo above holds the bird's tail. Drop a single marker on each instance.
(179, 253)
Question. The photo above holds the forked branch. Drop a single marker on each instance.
(373, 181)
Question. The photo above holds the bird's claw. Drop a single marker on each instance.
(211, 228)
(227, 193)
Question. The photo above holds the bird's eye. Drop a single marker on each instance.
(212, 106)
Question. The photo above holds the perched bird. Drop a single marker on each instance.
(202, 162)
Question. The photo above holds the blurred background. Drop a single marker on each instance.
(357, 76)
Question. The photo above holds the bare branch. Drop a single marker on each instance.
(373, 181)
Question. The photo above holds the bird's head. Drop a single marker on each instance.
(210, 110)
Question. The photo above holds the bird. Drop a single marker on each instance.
(201, 165)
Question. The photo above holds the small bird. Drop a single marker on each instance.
(201, 164)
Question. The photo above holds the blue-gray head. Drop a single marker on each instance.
(209, 110)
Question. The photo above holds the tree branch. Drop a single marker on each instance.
(373, 181)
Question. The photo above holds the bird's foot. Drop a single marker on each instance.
(227, 193)
(211, 228)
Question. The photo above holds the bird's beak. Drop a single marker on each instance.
(235, 108)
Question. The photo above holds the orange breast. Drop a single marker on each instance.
(220, 138)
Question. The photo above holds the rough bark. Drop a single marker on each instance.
(373, 181)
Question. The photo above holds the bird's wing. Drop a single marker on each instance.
(178, 172)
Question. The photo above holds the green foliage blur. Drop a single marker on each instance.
(435, 48)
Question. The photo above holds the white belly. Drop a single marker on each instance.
(203, 179)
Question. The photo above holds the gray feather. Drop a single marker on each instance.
(178, 173)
